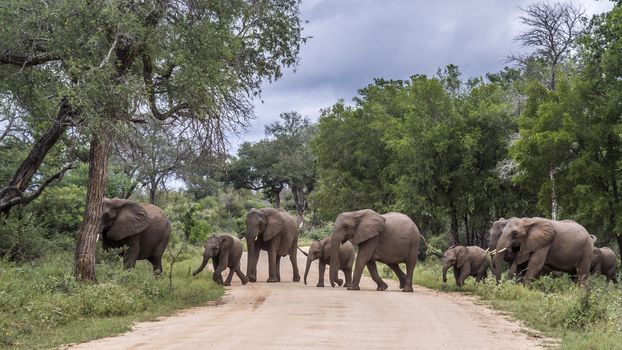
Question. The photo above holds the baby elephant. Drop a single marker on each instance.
(604, 262)
(225, 251)
(321, 250)
(466, 261)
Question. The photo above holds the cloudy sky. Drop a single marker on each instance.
(355, 41)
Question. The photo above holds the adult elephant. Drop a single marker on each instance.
(466, 261)
(604, 262)
(275, 231)
(143, 228)
(391, 238)
(562, 246)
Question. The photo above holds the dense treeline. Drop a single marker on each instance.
(538, 138)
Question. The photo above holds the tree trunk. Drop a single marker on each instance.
(553, 195)
(12, 194)
(91, 225)
(299, 200)
(455, 235)
(152, 193)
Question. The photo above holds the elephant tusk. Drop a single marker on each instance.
(502, 250)
(487, 250)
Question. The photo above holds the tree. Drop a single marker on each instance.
(151, 154)
(593, 177)
(285, 160)
(552, 32)
(194, 63)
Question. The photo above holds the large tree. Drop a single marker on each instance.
(195, 64)
(283, 159)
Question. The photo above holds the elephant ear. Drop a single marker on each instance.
(462, 256)
(370, 224)
(540, 234)
(132, 218)
(274, 223)
(325, 248)
(226, 243)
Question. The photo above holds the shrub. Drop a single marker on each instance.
(21, 239)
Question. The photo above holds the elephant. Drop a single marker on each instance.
(466, 261)
(604, 262)
(225, 251)
(562, 246)
(495, 233)
(391, 238)
(321, 250)
(143, 228)
(273, 230)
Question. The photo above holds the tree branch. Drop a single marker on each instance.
(26, 61)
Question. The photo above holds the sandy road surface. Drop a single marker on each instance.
(291, 315)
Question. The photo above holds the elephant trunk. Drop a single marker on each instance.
(334, 258)
(445, 268)
(205, 260)
(500, 253)
(250, 258)
(309, 260)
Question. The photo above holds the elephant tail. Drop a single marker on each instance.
(303, 252)
(430, 249)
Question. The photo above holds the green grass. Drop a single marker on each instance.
(41, 306)
(582, 318)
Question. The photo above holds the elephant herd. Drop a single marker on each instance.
(532, 246)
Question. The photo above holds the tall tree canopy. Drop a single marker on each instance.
(196, 64)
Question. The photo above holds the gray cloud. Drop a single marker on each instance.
(355, 41)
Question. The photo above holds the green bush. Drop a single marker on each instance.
(42, 298)
(60, 209)
(22, 239)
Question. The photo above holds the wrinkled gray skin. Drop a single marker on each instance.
(143, 228)
(320, 250)
(604, 262)
(225, 252)
(560, 245)
(273, 230)
(391, 238)
(466, 261)
(495, 233)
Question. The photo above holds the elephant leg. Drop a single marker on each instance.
(583, 269)
(536, 262)
(400, 274)
(373, 272)
(278, 268)
(272, 268)
(156, 262)
(410, 269)
(252, 277)
(348, 273)
(293, 257)
(241, 275)
(364, 255)
(229, 277)
(130, 257)
(457, 276)
(320, 282)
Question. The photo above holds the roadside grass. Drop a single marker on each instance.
(41, 305)
(582, 318)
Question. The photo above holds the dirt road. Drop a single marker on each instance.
(291, 315)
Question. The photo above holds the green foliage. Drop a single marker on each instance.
(556, 306)
(284, 159)
(61, 209)
(308, 235)
(429, 147)
(22, 240)
(41, 303)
